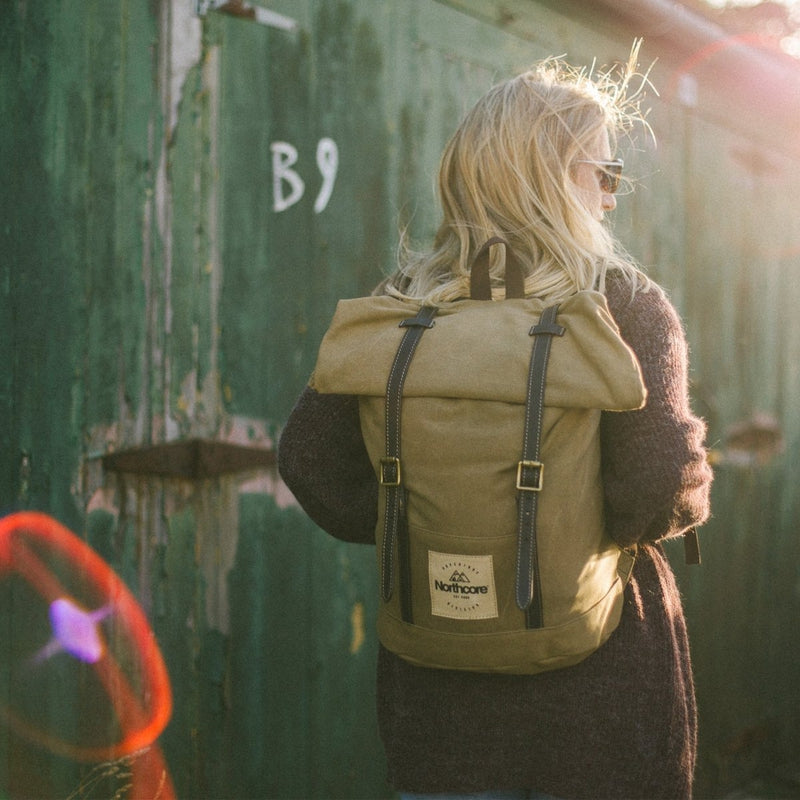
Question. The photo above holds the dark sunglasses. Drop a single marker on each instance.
(611, 172)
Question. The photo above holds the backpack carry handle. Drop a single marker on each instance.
(480, 283)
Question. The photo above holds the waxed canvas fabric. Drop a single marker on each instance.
(461, 440)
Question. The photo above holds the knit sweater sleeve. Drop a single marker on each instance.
(323, 461)
(655, 474)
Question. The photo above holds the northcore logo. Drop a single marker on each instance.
(462, 586)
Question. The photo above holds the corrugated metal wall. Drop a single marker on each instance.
(186, 197)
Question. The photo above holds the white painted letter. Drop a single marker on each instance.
(283, 156)
(328, 163)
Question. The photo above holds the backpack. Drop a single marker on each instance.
(482, 422)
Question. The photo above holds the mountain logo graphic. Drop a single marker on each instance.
(459, 577)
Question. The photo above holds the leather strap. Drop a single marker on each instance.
(691, 547)
(390, 471)
(480, 282)
(530, 471)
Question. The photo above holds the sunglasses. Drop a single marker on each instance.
(611, 172)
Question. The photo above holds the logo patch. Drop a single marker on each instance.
(462, 587)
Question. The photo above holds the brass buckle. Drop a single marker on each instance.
(523, 465)
(390, 465)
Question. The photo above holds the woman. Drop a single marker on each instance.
(533, 163)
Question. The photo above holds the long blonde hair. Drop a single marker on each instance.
(507, 172)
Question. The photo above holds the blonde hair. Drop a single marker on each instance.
(507, 172)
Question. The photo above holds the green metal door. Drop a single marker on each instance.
(187, 194)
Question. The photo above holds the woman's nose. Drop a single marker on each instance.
(609, 202)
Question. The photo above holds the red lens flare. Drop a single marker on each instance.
(704, 54)
(104, 630)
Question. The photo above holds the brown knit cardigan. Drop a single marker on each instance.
(622, 723)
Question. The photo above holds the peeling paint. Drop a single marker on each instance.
(104, 499)
(216, 540)
(181, 33)
(269, 483)
(244, 430)
(213, 267)
(184, 35)
(357, 625)
(214, 502)
(197, 409)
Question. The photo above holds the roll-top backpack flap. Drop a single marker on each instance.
(590, 367)
(358, 348)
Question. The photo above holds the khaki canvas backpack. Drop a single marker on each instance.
(482, 421)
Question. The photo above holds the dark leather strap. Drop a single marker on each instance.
(480, 282)
(530, 471)
(691, 547)
(390, 471)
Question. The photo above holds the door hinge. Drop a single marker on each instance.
(194, 459)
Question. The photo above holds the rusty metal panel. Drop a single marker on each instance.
(188, 195)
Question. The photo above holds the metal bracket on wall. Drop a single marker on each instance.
(238, 8)
(193, 459)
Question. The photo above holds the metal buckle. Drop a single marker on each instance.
(523, 465)
(390, 471)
